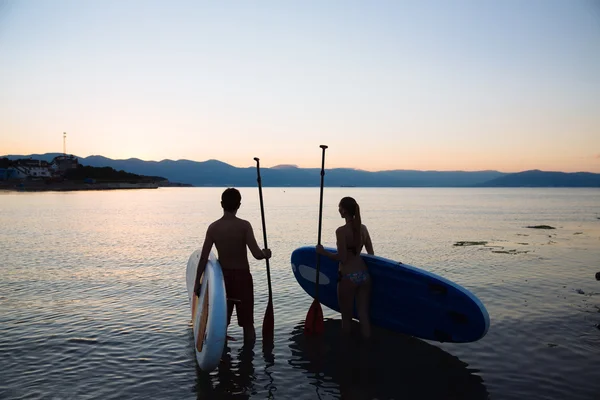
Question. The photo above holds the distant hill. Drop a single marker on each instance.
(218, 173)
(537, 178)
(284, 166)
(44, 157)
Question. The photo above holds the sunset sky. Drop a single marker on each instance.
(433, 85)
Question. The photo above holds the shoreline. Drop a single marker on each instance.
(72, 187)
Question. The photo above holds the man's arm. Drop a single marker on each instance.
(208, 243)
(252, 244)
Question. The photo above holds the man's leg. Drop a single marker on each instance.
(249, 335)
(229, 291)
(245, 308)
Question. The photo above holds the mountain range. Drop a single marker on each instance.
(220, 174)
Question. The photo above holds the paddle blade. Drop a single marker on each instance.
(314, 320)
(268, 327)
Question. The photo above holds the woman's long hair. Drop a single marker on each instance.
(351, 206)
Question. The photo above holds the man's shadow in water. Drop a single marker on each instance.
(233, 377)
(392, 366)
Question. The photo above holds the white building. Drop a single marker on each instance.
(38, 169)
(35, 169)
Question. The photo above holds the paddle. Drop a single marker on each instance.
(269, 320)
(314, 317)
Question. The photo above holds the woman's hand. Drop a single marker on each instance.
(321, 250)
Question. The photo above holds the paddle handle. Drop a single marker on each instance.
(262, 215)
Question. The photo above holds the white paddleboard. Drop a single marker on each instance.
(209, 311)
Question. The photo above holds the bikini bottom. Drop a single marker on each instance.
(357, 278)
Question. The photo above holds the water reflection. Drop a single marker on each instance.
(235, 376)
(269, 359)
(392, 366)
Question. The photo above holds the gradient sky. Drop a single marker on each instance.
(507, 85)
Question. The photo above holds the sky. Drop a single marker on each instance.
(441, 85)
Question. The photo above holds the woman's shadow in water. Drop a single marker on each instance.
(392, 366)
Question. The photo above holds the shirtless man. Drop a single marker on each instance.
(231, 235)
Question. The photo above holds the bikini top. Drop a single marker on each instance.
(352, 249)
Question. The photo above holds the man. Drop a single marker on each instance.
(231, 235)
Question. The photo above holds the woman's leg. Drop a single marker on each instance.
(346, 291)
(363, 297)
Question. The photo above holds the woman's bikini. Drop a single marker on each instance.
(358, 277)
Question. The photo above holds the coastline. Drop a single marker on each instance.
(72, 186)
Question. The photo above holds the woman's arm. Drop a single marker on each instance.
(341, 248)
(328, 254)
(368, 242)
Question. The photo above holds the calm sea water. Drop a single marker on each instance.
(93, 301)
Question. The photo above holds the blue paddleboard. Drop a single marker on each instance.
(403, 298)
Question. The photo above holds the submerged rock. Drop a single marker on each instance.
(541, 227)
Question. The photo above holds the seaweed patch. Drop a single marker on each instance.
(468, 243)
(511, 251)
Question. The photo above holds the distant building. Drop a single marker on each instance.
(7, 173)
(27, 168)
(61, 164)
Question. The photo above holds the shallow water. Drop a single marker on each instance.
(93, 300)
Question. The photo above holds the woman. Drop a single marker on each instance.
(353, 276)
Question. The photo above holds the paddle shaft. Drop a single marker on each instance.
(264, 228)
(320, 219)
(314, 318)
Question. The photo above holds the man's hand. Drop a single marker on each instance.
(266, 253)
